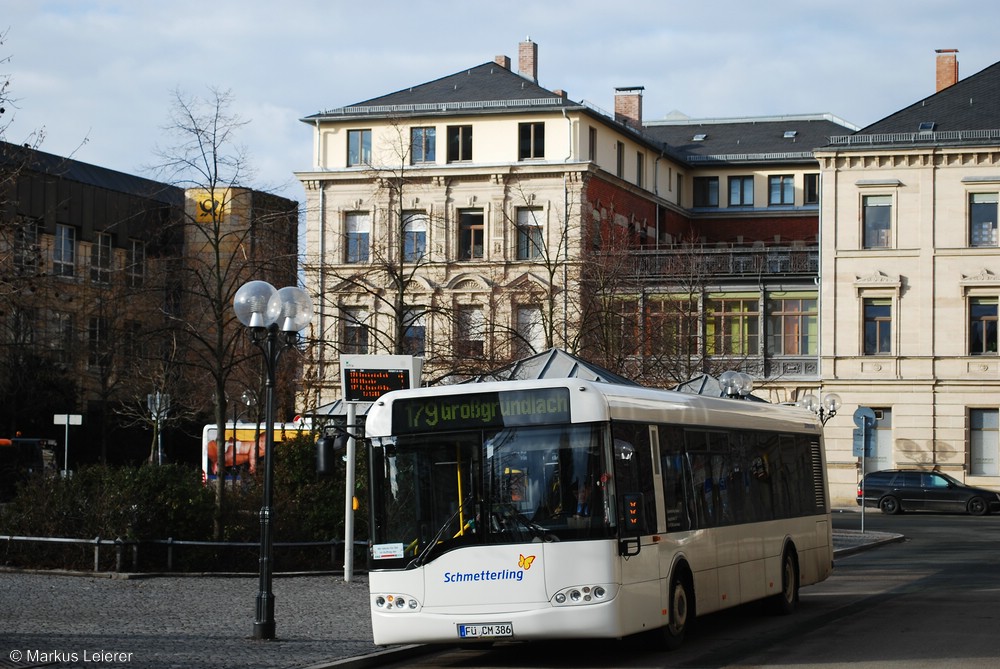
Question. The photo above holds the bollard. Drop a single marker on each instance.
(170, 553)
(118, 555)
(97, 554)
(135, 556)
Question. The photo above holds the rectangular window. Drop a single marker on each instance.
(135, 263)
(359, 147)
(531, 140)
(706, 191)
(422, 145)
(459, 143)
(97, 347)
(64, 251)
(355, 323)
(877, 219)
(470, 234)
(810, 193)
(529, 233)
(741, 191)
(357, 229)
(132, 344)
(793, 326)
(983, 326)
(984, 444)
(731, 326)
(620, 160)
(640, 165)
(100, 258)
(671, 328)
(983, 219)
(414, 332)
(26, 247)
(414, 235)
(781, 189)
(60, 337)
(592, 148)
(622, 328)
(470, 332)
(530, 333)
(878, 326)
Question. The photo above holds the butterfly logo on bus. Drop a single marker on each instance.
(525, 562)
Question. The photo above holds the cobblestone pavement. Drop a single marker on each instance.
(168, 622)
(200, 622)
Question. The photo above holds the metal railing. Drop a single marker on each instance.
(121, 547)
(735, 261)
(915, 137)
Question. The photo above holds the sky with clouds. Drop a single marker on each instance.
(100, 76)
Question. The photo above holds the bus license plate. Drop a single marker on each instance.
(486, 630)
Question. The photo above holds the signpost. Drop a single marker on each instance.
(864, 435)
(67, 420)
(365, 378)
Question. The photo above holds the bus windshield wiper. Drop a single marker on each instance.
(421, 558)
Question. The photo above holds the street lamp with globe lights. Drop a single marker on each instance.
(274, 318)
(827, 410)
(736, 384)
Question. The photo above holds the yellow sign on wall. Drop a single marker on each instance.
(209, 208)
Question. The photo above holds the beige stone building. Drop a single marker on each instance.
(911, 281)
(479, 218)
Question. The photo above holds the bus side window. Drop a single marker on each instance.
(634, 466)
(675, 489)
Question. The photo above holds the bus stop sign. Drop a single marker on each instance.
(864, 433)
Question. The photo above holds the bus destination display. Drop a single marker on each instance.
(460, 412)
(367, 385)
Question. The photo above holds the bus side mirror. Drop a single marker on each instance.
(326, 449)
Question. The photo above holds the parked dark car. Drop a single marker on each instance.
(897, 490)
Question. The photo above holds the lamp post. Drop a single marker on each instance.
(274, 318)
(827, 410)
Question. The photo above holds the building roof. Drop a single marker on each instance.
(552, 364)
(489, 87)
(15, 156)
(967, 112)
(750, 139)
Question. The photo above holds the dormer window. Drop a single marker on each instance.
(700, 137)
(790, 134)
(927, 126)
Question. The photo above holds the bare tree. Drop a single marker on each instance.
(225, 245)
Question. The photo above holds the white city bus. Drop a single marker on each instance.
(527, 510)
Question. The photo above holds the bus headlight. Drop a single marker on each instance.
(395, 603)
(582, 594)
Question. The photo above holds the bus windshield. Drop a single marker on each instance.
(435, 492)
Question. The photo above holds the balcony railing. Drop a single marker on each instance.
(728, 261)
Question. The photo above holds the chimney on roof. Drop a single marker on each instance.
(502, 61)
(947, 68)
(527, 60)
(628, 106)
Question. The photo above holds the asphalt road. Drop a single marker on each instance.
(167, 622)
(929, 602)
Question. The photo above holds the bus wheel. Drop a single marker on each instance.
(681, 612)
(786, 601)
